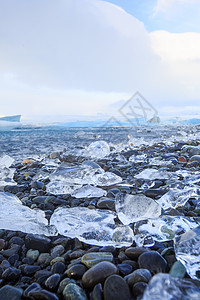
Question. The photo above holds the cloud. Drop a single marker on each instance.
(165, 6)
(77, 56)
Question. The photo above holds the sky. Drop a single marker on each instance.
(80, 57)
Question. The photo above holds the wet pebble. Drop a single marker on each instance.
(76, 271)
(74, 292)
(37, 242)
(152, 261)
(8, 292)
(98, 273)
(135, 252)
(93, 258)
(115, 287)
(52, 281)
(139, 275)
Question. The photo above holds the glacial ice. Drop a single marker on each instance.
(133, 208)
(88, 191)
(187, 250)
(88, 173)
(153, 174)
(92, 226)
(15, 216)
(175, 198)
(162, 229)
(164, 287)
(138, 158)
(98, 149)
(6, 173)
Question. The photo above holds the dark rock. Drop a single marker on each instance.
(2, 244)
(152, 261)
(11, 274)
(13, 258)
(139, 275)
(97, 293)
(37, 242)
(125, 269)
(14, 189)
(138, 288)
(135, 252)
(16, 240)
(58, 267)
(57, 251)
(74, 292)
(106, 203)
(98, 273)
(93, 258)
(9, 292)
(115, 287)
(52, 281)
(42, 275)
(11, 251)
(153, 193)
(30, 270)
(76, 271)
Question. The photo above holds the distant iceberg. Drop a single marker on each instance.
(10, 122)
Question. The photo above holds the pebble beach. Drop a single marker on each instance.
(100, 214)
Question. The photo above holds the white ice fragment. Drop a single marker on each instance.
(98, 149)
(175, 198)
(162, 229)
(88, 191)
(164, 287)
(138, 158)
(133, 208)
(58, 187)
(153, 174)
(6, 173)
(106, 179)
(187, 250)
(96, 227)
(17, 217)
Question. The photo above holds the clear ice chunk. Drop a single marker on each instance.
(153, 174)
(162, 229)
(187, 250)
(138, 158)
(164, 287)
(92, 226)
(6, 173)
(17, 217)
(88, 173)
(175, 198)
(88, 191)
(133, 208)
(98, 149)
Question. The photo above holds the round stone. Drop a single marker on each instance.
(58, 267)
(115, 287)
(74, 292)
(76, 271)
(138, 288)
(57, 251)
(8, 292)
(32, 254)
(152, 261)
(52, 281)
(139, 275)
(98, 273)
(135, 252)
(93, 258)
(11, 273)
(125, 269)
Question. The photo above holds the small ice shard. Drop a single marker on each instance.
(164, 287)
(6, 173)
(106, 179)
(162, 229)
(98, 149)
(138, 158)
(153, 174)
(17, 217)
(58, 187)
(96, 227)
(187, 250)
(133, 208)
(88, 191)
(175, 198)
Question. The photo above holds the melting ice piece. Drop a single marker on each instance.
(175, 198)
(96, 227)
(163, 229)
(58, 187)
(6, 173)
(165, 287)
(187, 250)
(138, 158)
(133, 208)
(98, 149)
(153, 174)
(15, 216)
(88, 191)
(106, 179)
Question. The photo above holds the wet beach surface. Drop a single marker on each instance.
(121, 213)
